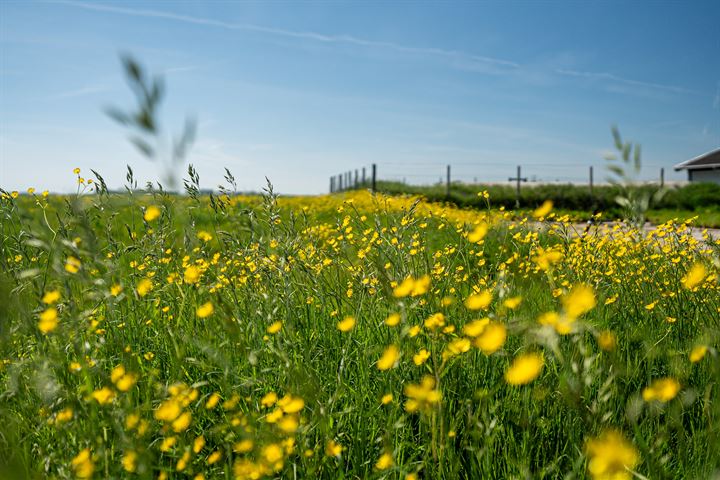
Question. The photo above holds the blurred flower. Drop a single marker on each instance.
(524, 369)
(389, 358)
(662, 390)
(694, 276)
(151, 213)
(346, 324)
(205, 310)
(82, 464)
(479, 301)
(543, 210)
(611, 456)
(698, 353)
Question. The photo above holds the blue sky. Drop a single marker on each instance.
(300, 91)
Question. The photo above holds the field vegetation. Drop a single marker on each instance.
(699, 200)
(357, 335)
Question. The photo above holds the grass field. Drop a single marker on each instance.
(700, 201)
(349, 336)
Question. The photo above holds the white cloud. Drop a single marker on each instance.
(610, 77)
(457, 58)
(81, 92)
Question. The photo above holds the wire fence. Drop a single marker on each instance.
(486, 173)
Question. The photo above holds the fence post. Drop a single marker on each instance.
(363, 176)
(517, 191)
(356, 178)
(447, 182)
(374, 177)
(662, 177)
(332, 184)
(591, 184)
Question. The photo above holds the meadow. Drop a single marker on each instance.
(355, 335)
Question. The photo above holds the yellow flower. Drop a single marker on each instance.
(72, 265)
(48, 320)
(611, 456)
(123, 381)
(204, 236)
(544, 209)
(389, 358)
(512, 303)
(182, 462)
(412, 287)
(144, 286)
(214, 457)
(274, 327)
(129, 461)
(269, 399)
(385, 461)
(524, 369)
(151, 213)
(434, 321)
(579, 301)
(168, 410)
(288, 424)
(76, 171)
(650, 306)
(333, 449)
(346, 324)
(64, 415)
(698, 353)
(476, 327)
(694, 276)
(51, 296)
(272, 453)
(392, 319)
(422, 396)
(607, 340)
(115, 290)
(243, 446)
(420, 357)
(82, 464)
(479, 301)
(547, 258)
(205, 310)
(103, 395)
(478, 233)
(192, 274)
(662, 390)
(456, 347)
(182, 422)
(562, 324)
(387, 398)
(212, 401)
(291, 404)
(198, 444)
(492, 338)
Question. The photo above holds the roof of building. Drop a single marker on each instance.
(706, 161)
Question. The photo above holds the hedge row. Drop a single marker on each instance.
(571, 197)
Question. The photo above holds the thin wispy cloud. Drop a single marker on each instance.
(81, 92)
(452, 55)
(610, 77)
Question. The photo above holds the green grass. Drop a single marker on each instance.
(692, 200)
(308, 263)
